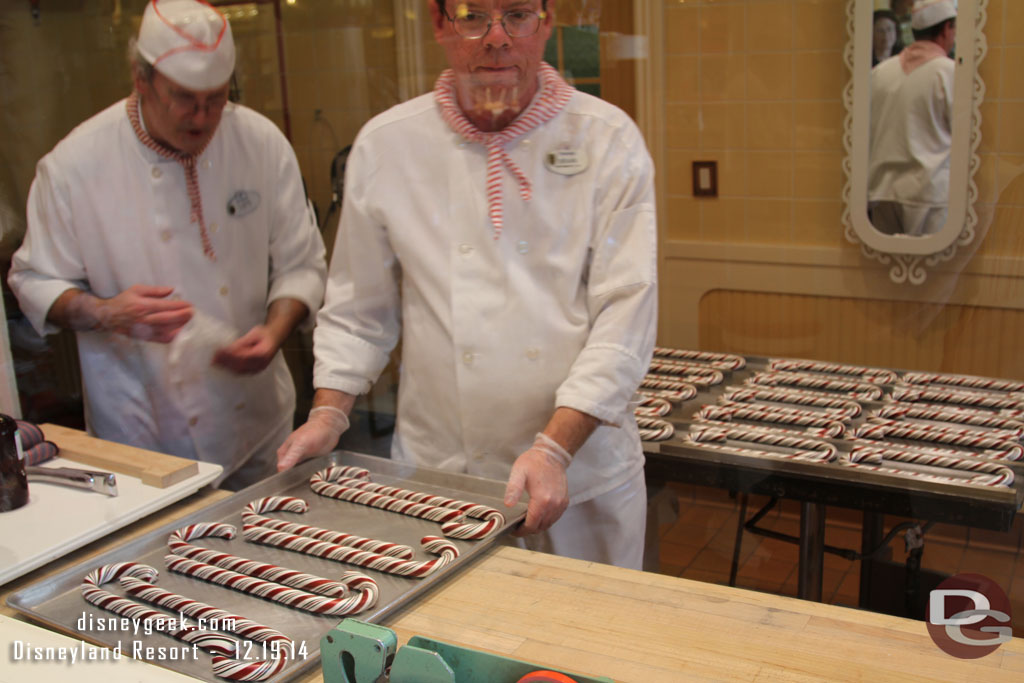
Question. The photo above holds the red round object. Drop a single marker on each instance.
(545, 677)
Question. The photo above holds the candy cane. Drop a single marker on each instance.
(252, 516)
(234, 670)
(880, 428)
(692, 373)
(728, 361)
(1000, 425)
(672, 395)
(985, 473)
(178, 543)
(866, 374)
(978, 399)
(366, 595)
(653, 429)
(351, 484)
(443, 548)
(217, 644)
(703, 380)
(969, 381)
(652, 406)
(861, 391)
(836, 408)
(667, 384)
(714, 437)
(813, 423)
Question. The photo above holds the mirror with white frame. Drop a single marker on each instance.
(909, 255)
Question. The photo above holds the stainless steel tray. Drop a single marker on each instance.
(57, 601)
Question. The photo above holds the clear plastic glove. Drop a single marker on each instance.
(540, 472)
(250, 353)
(318, 436)
(141, 312)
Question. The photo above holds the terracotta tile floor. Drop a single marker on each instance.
(699, 544)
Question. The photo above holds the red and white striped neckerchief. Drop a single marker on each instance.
(554, 95)
(187, 161)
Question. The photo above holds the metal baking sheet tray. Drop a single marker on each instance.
(57, 601)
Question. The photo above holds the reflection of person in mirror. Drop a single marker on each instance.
(911, 127)
(901, 9)
(885, 39)
(172, 207)
(504, 224)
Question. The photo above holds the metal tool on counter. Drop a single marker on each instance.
(100, 482)
(357, 651)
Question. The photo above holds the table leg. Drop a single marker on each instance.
(812, 551)
(872, 529)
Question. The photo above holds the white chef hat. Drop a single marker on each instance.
(189, 42)
(928, 13)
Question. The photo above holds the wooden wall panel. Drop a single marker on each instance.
(899, 334)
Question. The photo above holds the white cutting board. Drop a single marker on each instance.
(20, 641)
(59, 519)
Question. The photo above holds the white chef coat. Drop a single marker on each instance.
(911, 132)
(559, 311)
(105, 213)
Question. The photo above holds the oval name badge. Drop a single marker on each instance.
(566, 161)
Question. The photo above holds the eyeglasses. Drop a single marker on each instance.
(474, 25)
(187, 104)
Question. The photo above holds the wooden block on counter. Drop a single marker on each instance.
(154, 469)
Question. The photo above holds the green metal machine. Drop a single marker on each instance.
(357, 652)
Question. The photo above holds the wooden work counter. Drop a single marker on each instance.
(642, 627)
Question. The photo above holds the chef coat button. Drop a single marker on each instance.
(192, 422)
(533, 354)
(224, 290)
(207, 164)
(523, 246)
(214, 227)
(465, 248)
(157, 172)
(479, 457)
(467, 358)
(166, 234)
(526, 142)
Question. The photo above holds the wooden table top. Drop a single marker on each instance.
(643, 627)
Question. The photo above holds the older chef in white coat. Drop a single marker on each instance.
(912, 127)
(171, 232)
(507, 222)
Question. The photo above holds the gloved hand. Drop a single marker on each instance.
(141, 311)
(540, 471)
(318, 436)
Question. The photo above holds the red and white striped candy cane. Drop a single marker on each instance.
(702, 380)
(858, 391)
(836, 408)
(365, 596)
(728, 361)
(691, 373)
(866, 374)
(963, 397)
(442, 547)
(716, 437)
(252, 516)
(880, 429)
(969, 381)
(653, 429)
(217, 644)
(339, 482)
(813, 423)
(1001, 426)
(666, 384)
(179, 544)
(687, 392)
(652, 406)
(234, 670)
(984, 473)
